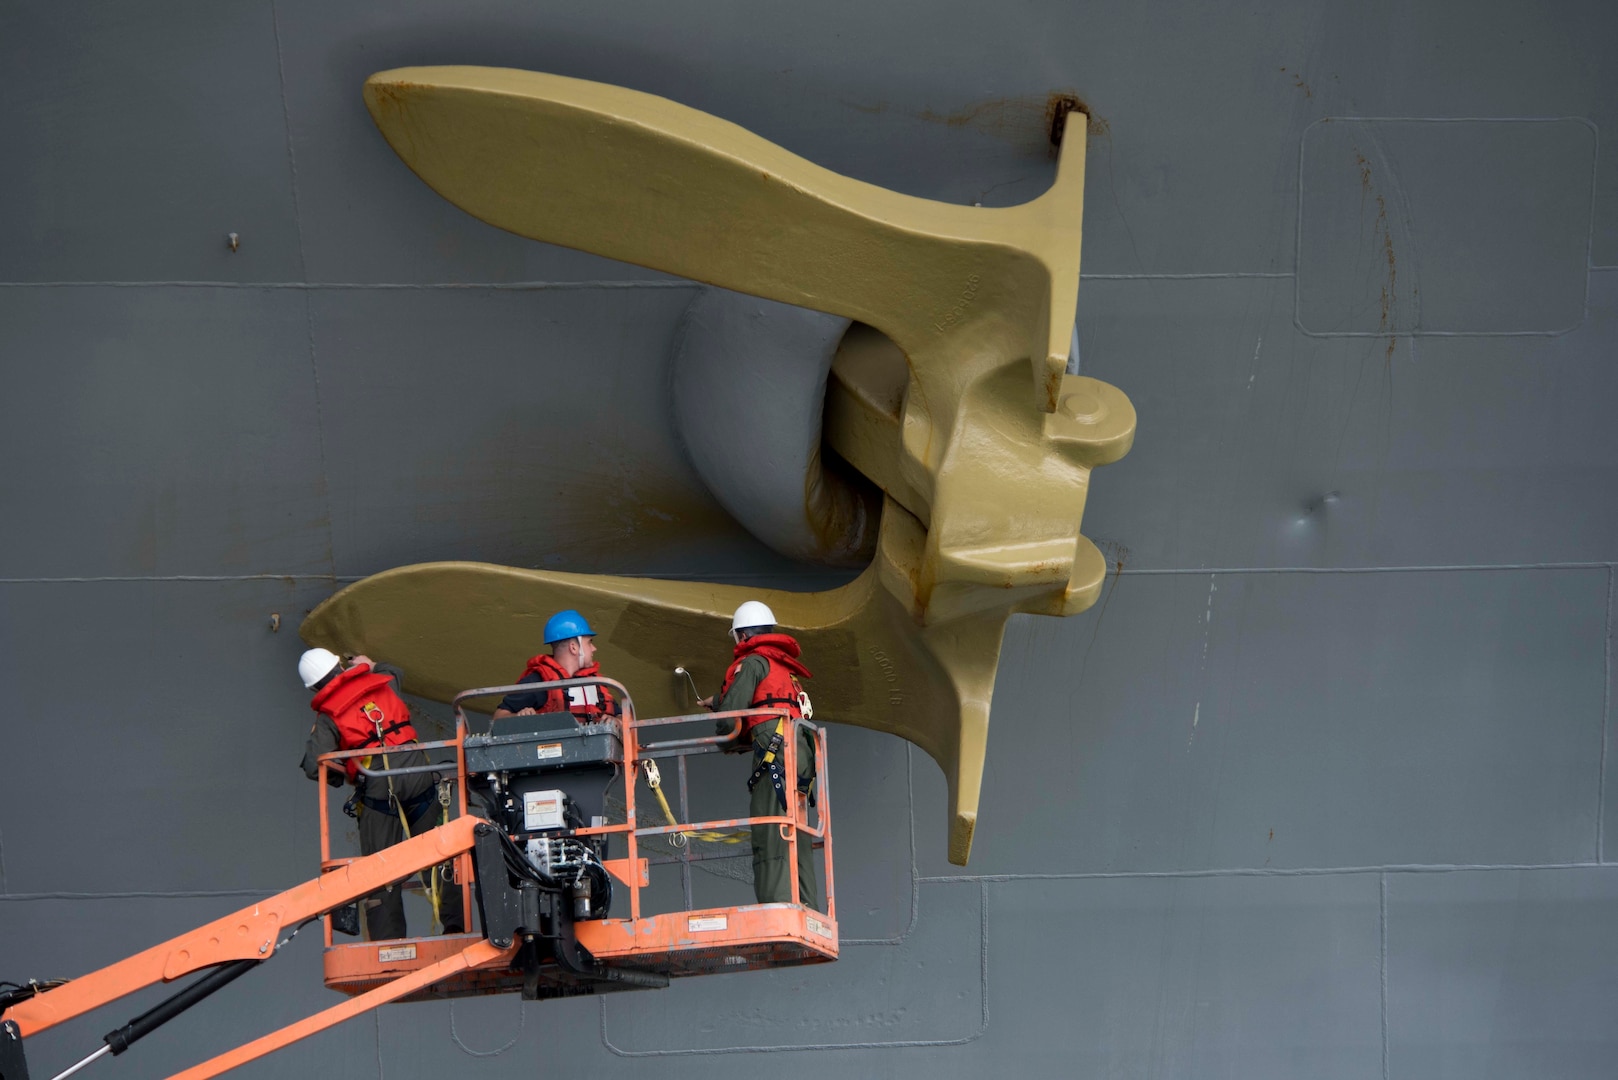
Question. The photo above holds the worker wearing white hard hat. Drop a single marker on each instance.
(765, 674)
(358, 706)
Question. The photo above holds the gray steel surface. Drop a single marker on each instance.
(1318, 789)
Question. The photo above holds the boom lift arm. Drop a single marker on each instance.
(251, 936)
(541, 885)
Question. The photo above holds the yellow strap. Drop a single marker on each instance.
(434, 894)
(712, 836)
(664, 803)
(769, 755)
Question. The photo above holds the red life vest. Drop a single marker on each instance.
(358, 700)
(779, 688)
(586, 703)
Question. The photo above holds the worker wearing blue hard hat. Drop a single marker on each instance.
(572, 656)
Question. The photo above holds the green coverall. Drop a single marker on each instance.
(770, 855)
(381, 828)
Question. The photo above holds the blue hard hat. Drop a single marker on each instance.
(566, 624)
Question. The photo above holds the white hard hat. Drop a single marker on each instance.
(315, 665)
(752, 614)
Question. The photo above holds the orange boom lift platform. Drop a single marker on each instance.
(526, 845)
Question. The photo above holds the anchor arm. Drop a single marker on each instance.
(639, 178)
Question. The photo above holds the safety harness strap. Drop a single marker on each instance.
(411, 809)
(768, 761)
(382, 733)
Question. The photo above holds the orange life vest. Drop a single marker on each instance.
(587, 703)
(361, 702)
(779, 688)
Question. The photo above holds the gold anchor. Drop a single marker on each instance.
(956, 404)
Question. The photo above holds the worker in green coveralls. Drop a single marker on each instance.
(359, 707)
(765, 674)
